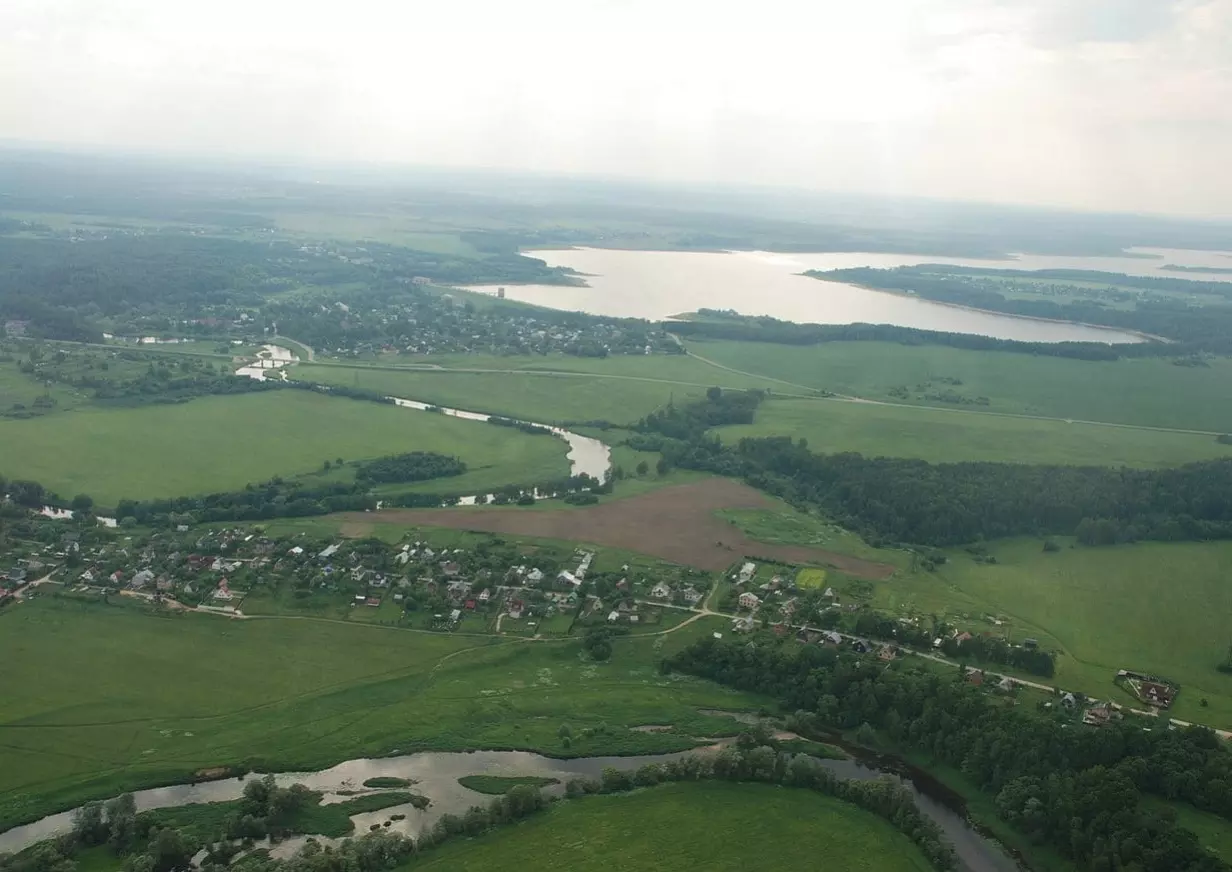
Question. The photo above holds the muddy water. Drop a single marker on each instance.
(435, 775)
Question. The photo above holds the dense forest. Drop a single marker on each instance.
(1077, 790)
(890, 499)
(1195, 327)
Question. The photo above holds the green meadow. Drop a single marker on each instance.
(1154, 607)
(943, 435)
(703, 825)
(220, 443)
(1151, 392)
(137, 699)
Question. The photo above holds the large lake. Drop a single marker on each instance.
(660, 284)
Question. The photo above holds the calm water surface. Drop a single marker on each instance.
(660, 284)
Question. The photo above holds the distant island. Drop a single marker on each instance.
(1176, 267)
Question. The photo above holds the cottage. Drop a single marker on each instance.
(567, 577)
(691, 595)
(534, 576)
(976, 677)
(455, 616)
(223, 592)
(888, 653)
(743, 625)
(329, 552)
(661, 591)
(449, 567)
(1068, 700)
(1007, 684)
(831, 638)
(749, 601)
(746, 572)
(484, 595)
(1099, 715)
(613, 616)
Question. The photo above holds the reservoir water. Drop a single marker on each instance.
(661, 284)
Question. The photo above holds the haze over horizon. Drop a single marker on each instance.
(1110, 105)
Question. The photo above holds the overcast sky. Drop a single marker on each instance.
(1107, 104)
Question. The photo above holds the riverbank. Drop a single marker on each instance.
(1137, 335)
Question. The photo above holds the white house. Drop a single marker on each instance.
(661, 591)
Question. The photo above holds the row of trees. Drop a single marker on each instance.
(755, 758)
(1196, 328)
(749, 328)
(888, 499)
(1077, 790)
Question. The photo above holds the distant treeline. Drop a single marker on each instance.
(889, 499)
(731, 326)
(414, 466)
(1077, 791)
(1197, 328)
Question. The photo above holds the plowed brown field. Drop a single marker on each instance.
(675, 523)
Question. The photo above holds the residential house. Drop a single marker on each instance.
(749, 601)
(450, 568)
(887, 653)
(223, 592)
(975, 677)
(831, 638)
(661, 591)
(329, 552)
(743, 625)
(691, 595)
(534, 576)
(1099, 715)
(746, 572)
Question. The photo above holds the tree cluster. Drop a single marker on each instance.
(1079, 790)
(413, 466)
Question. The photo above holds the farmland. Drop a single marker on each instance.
(676, 523)
(549, 390)
(707, 825)
(943, 435)
(137, 699)
(219, 443)
(1149, 392)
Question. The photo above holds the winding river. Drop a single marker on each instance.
(586, 455)
(436, 774)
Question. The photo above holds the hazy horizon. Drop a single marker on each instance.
(1099, 105)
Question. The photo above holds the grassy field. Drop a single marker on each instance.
(1148, 392)
(495, 785)
(1152, 607)
(220, 443)
(708, 825)
(136, 699)
(950, 436)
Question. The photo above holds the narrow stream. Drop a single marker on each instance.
(586, 455)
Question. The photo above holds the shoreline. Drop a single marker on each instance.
(1143, 336)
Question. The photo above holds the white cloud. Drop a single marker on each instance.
(1097, 103)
